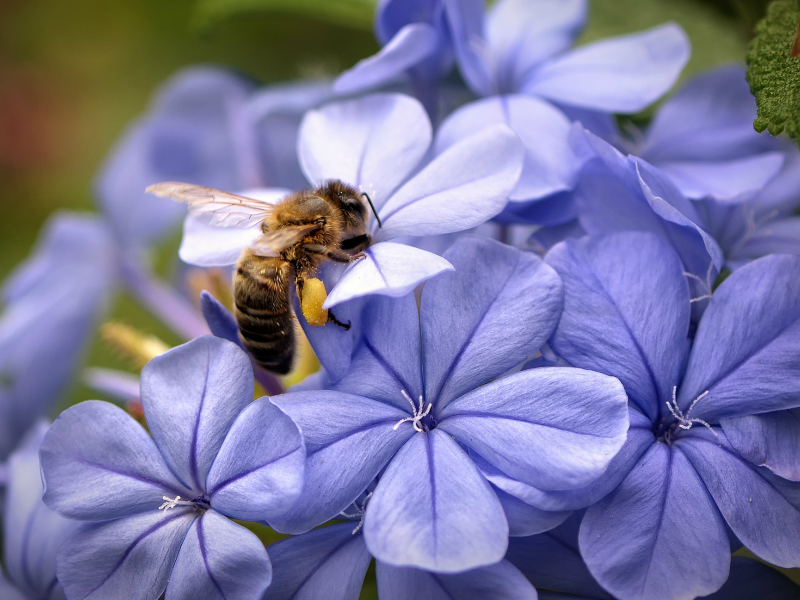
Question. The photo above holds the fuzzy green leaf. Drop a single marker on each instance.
(773, 73)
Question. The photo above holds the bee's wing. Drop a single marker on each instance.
(214, 207)
(274, 242)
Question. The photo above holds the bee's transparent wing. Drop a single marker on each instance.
(273, 242)
(212, 206)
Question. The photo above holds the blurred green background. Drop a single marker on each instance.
(74, 73)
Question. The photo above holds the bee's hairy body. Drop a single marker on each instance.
(262, 283)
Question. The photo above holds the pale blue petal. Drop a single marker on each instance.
(258, 473)
(475, 176)
(98, 463)
(746, 353)
(550, 165)
(388, 269)
(349, 439)
(623, 74)
(774, 237)
(626, 313)
(491, 314)
(501, 581)
(525, 519)
(763, 510)
(434, 510)
(559, 433)
(128, 558)
(724, 180)
(412, 44)
(118, 385)
(219, 560)
(329, 563)
(768, 440)
(372, 143)
(191, 397)
(660, 522)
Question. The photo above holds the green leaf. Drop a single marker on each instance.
(353, 13)
(773, 73)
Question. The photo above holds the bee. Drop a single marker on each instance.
(299, 233)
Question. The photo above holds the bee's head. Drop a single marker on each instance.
(348, 200)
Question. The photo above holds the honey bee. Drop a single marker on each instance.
(299, 233)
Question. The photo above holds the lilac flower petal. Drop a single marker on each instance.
(762, 509)
(206, 245)
(525, 519)
(550, 165)
(626, 312)
(552, 561)
(191, 397)
(559, 433)
(639, 439)
(476, 175)
(724, 180)
(33, 533)
(348, 441)
(190, 134)
(413, 43)
(126, 558)
(389, 269)
(432, 509)
(623, 74)
(165, 302)
(219, 560)
(220, 320)
(325, 563)
(753, 579)
(501, 581)
(258, 472)
(746, 353)
(8, 591)
(387, 360)
(273, 120)
(372, 142)
(98, 463)
(119, 385)
(775, 237)
(708, 118)
(494, 312)
(768, 440)
(522, 34)
(465, 19)
(660, 521)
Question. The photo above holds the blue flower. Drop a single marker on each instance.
(331, 562)
(664, 502)
(157, 506)
(32, 532)
(52, 302)
(408, 397)
(379, 143)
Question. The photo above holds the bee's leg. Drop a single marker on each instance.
(334, 254)
(333, 319)
(298, 282)
(355, 242)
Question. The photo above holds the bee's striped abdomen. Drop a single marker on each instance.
(263, 310)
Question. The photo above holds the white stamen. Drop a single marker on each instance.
(707, 284)
(684, 420)
(361, 512)
(418, 413)
(172, 503)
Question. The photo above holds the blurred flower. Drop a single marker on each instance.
(157, 505)
(662, 505)
(33, 533)
(379, 144)
(414, 392)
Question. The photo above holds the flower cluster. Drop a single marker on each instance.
(565, 360)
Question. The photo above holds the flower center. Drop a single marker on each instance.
(418, 413)
(199, 503)
(361, 511)
(682, 421)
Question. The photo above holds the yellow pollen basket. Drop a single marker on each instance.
(314, 295)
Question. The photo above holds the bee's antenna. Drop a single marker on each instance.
(374, 212)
